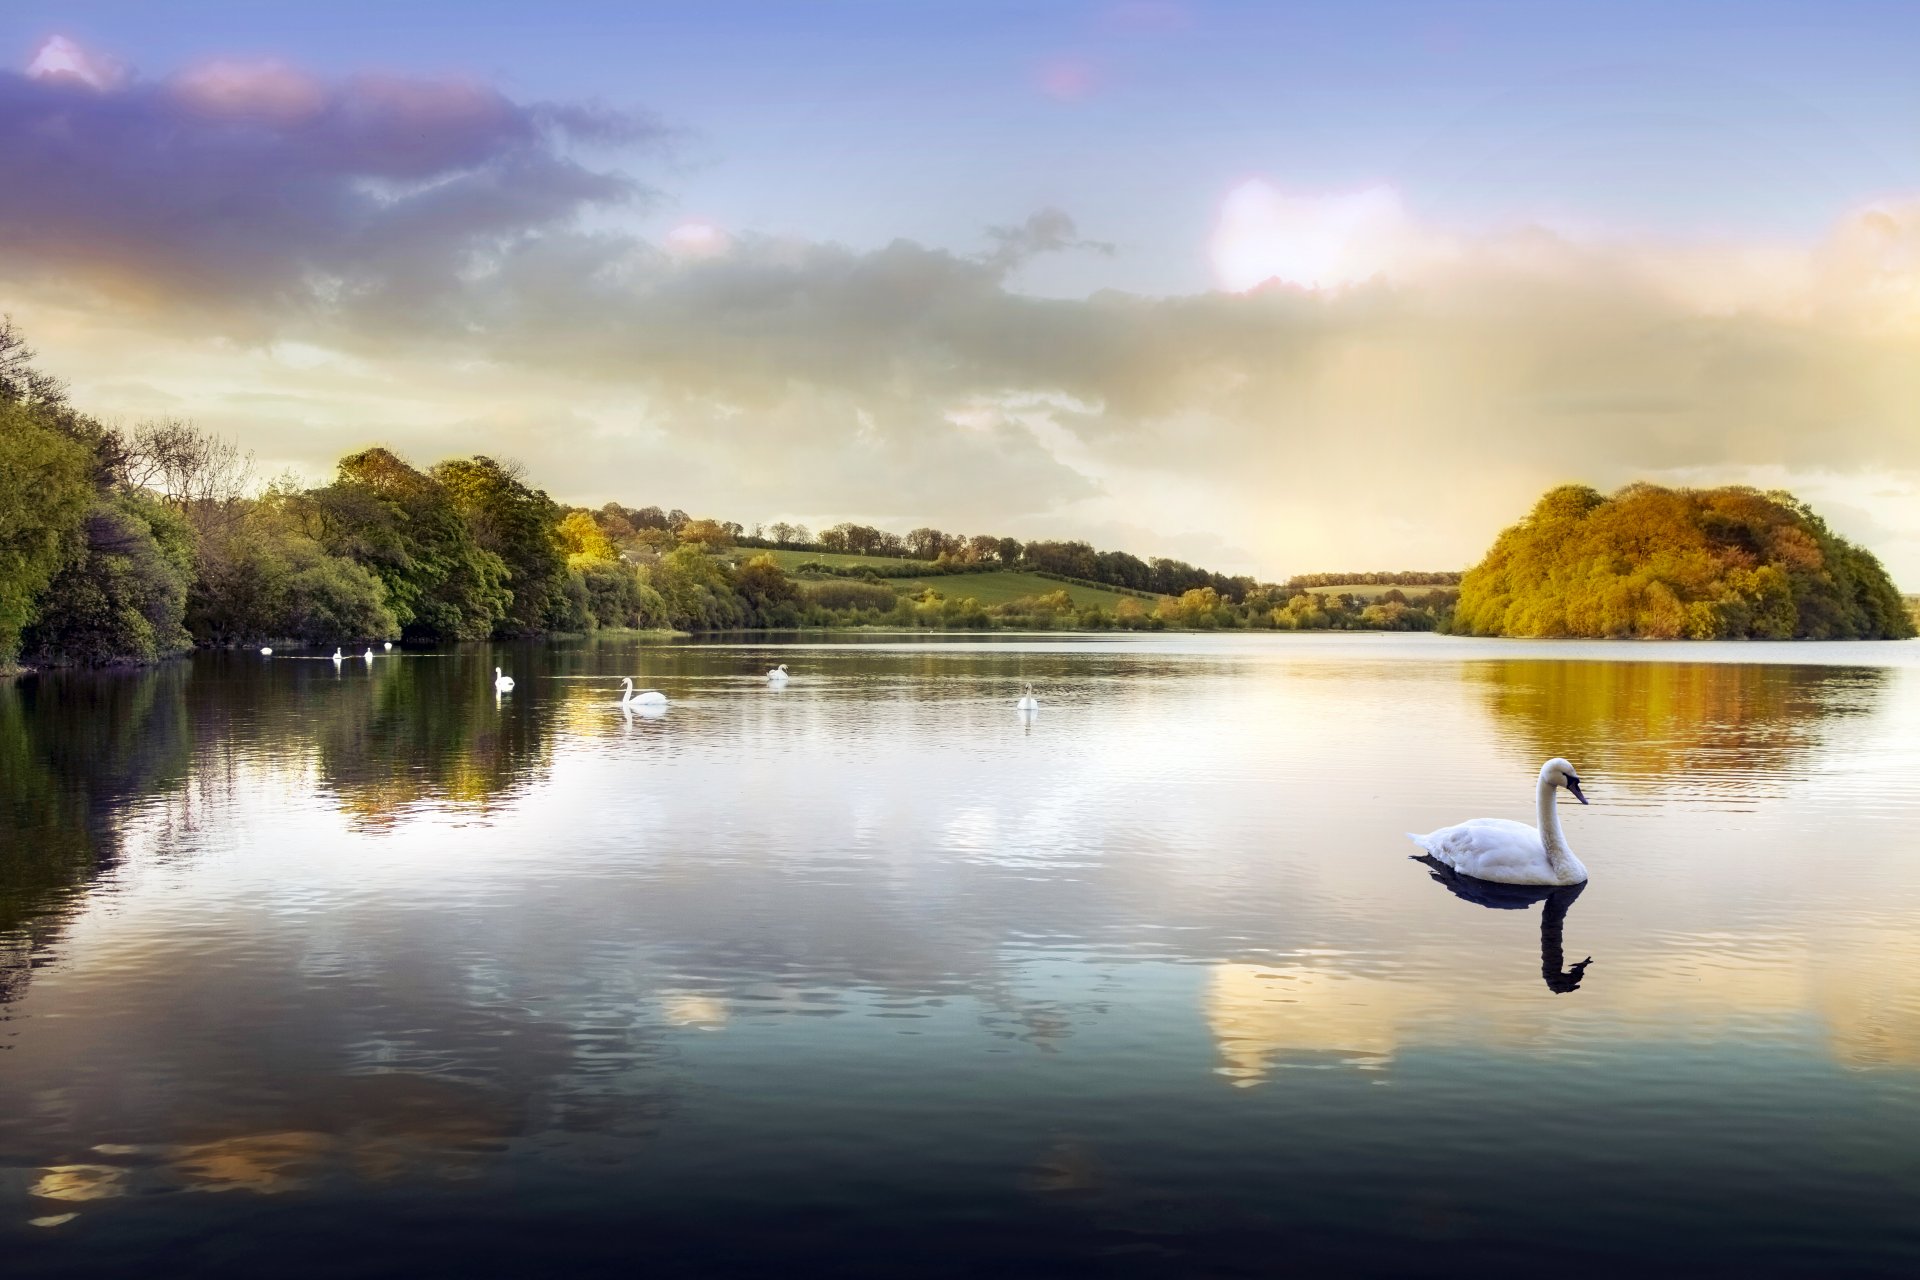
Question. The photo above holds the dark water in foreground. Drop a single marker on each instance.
(361, 973)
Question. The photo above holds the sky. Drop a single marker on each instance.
(1273, 288)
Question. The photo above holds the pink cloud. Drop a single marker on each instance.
(266, 90)
(59, 58)
(1067, 79)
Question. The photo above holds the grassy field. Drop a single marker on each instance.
(1374, 590)
(988, 588)
(791, 560)
(1002, 586)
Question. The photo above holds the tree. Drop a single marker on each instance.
(123, 592)
(266, 580)
(710, 534)
(518, 524)
(927, 544)
(403, 525)
(584, 541)
(20, 382)
(1729, 563)
(45, 492)
(772, 599)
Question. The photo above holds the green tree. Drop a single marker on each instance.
(519, 525)
(45, 492)
(404, 526)
(123, 593)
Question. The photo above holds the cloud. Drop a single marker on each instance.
(59, 58)
(1048, 231)
(258, 185)
(1382, 393)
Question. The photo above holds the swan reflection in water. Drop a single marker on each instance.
(1559, 977)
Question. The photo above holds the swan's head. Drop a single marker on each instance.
(626, 682)
(1558, 773)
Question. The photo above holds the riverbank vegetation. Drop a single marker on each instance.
(133, 545)
(1703, 564)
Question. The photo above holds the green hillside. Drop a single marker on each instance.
(1374, 590)
(993, 588)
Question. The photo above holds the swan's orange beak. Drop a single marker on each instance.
(1573, 785)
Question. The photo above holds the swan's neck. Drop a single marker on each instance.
(1559, 857)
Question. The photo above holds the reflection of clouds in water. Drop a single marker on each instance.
(389, 1128)
(691, 1009)
(1860, 997)
(1265, 1017)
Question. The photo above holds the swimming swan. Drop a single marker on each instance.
(501, 684)
(1027, 701)
(1507, 852)
(266, 651)
(336, 655)
(645, 698)
(388, 646)
(368, 655)
(778, 675)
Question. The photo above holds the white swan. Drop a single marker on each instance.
(266, 651)
(644, 698)
(501, 684)
(1508, 852)
(778, 675)
(336, 655)
(388, 646)
(368, 655)
(1027, 701)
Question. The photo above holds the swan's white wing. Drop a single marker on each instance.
(1495, 849)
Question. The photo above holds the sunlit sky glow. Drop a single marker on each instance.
(1275, 288)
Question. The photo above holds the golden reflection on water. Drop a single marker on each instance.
(1267, 1016)
(1659, 723)
(391, 1127)
(1861, 994)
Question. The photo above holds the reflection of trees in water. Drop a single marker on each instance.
(78, 748)
(1656, 720)
(75, 749)
(427, 731)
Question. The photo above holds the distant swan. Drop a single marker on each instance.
(336, 655)
(368, 655)
(388, 646)
(644, 698)
(1027, 701)
(1508, 852)
(501, 684)
(266, 651)
(778, 675)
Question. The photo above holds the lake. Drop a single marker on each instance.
(361, 971)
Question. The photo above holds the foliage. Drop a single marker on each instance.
(45, 493)
(267, 580)
(123, 592)
(1730, 563)
(403, 525)
(518, 524)
(584, 541)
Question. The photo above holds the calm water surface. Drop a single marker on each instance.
(363, 972)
